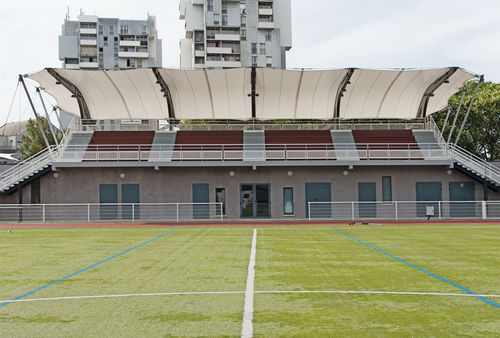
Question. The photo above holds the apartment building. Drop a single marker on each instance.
(108, 43)
(235, 33)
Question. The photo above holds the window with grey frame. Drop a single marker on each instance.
(220, 197)
(288, 201)
(210, 5)
(254, 48)
(386, 189)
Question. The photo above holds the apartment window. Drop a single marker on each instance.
(101, 49)
(123, 29)
(105, 39)
(287, 201)
(224, 20)
(210, 5)
(243, 19)
(269, 37)
(386, 189)
(116, 39)
(220, 197)
(262, 49)
(224, 6)
(130, 63)
(254, 60)
(243, 33)
(254, 48)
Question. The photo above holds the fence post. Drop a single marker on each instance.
(396, 209)
(352, 210)
(484, 212)
(439, 209)
(133, 212)
(309, 210)
(88, 213)
(43, 213)
(177, 213)
(221, 215)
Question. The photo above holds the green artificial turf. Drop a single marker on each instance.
(309, 258)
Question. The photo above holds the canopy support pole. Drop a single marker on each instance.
(446, 120)
(47, 117)
(37, 117)
(422, 109)
(340, 92)
(254, 93)
(166, 93)
(481, 80)
(84, 110)
(54, 109)
(456, 116)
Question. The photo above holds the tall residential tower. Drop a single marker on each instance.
(104, 43)
(235, 33)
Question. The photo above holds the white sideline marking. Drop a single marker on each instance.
(257, 292)
(247, 326)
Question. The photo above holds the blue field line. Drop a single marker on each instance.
(85, 269)
(423, 270)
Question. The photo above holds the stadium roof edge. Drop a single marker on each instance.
(348, 93)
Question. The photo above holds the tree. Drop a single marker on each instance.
(481, 134)
(33, 142)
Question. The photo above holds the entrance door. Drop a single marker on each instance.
(201, 195)
(428, 191)
(462, 191)
(108, 193)
(130, 195)
(255, 200)
(318, 192)
(367, 192)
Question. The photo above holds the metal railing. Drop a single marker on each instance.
(404, 210)
(108, 212)
(474, 163)
(27, 167)
(155, 125)
(242, 152)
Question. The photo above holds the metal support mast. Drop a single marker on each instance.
(481, 80)
(456, 116)
(21, 79)
(47, 117)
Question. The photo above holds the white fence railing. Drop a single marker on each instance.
(400, 210)
(240, 152)
(105, 212)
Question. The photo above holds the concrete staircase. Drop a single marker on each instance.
(163, 146)
(344, 145)
(429, 145)
(74, 150)
(254, 145)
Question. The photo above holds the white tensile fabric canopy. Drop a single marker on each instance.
(225, 94)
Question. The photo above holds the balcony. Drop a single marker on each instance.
(72, 66)
(89, 65)
(265, 11)
(140, 55)
(129, 43)
(219, 50)
(199, 53)
(265, 25)
(88, 42)
(88, 31)
(227, 37)
(265, 152)
(223, 64)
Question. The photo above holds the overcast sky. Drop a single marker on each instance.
(326, 34)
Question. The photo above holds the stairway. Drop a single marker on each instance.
(475, 167)
(74, 150)
(344, 145)
(254, 145)
(428, 144)
(163, 146)
(27, 171)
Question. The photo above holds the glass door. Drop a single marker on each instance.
(255, 201)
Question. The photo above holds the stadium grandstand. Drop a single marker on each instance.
(251, 143)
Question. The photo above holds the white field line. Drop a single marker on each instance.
(356, 292)
(247, 325)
